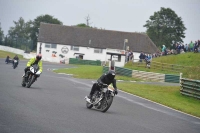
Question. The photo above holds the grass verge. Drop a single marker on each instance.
(90, 72)
(167, 95)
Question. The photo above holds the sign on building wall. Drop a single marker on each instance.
(64, 50)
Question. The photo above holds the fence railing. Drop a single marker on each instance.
(159, 65)
(151, 76)
(164, 66)
(84, 62)
(190, 87)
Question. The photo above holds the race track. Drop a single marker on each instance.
(55, 104)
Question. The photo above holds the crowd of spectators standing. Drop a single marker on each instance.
(177, 48)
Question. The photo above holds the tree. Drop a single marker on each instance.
(20, 30)
(83, 25)
(36, 24)
(1, 35)
(19, 34)
(165, 27)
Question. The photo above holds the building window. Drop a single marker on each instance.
(47, 45)
(54, 46)
(75, 48)
(116, 58)
(98, 50)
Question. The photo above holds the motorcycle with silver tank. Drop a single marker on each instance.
(31, 75)
(102, 99)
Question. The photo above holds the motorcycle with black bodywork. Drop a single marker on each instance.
(15, 63)
(31, 75)
(102, 99)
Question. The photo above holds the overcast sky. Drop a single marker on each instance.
(119, 15)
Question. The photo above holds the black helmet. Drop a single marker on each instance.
(39, 57)
(111, 74)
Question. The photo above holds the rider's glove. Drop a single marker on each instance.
(116, 92)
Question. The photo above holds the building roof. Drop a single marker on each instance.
(96, 38)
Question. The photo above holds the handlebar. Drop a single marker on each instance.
(102, 84)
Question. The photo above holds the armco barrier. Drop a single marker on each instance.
(120, 71)
(172, 78)
(145, 75)
(105, 69)
(190, 87)
(84, 62)
(148, 76)
(123, 71)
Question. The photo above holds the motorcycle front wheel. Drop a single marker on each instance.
(23, 82)
(105, 105)
(88, 105)
(30, 81)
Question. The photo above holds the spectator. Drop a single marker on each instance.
(127, 53)
(163, 50)
(179, 48)
(182, 47)
(149, 57)
(186, 47)
(141, 56)
(130, 55)
(191, 45)
(196, 47)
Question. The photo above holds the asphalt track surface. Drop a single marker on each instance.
(55, 104)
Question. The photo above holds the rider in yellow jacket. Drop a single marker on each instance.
(32, 61)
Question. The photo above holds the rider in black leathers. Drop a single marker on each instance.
(7, 59)
(107, 78)
(16, 58)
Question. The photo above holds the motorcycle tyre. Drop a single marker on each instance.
(14, 66)
(88, 105)
(23, 82)
(30, 83)
(108, 104)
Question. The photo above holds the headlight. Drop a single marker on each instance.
(38, 73)
(32, 69)
(104, 90)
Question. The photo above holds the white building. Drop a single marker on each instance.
(59, 43)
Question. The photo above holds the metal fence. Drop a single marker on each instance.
(190, 87)
(146, 75)
(84, 62)
(160, 66)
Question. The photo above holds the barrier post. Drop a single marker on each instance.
(112, 65)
